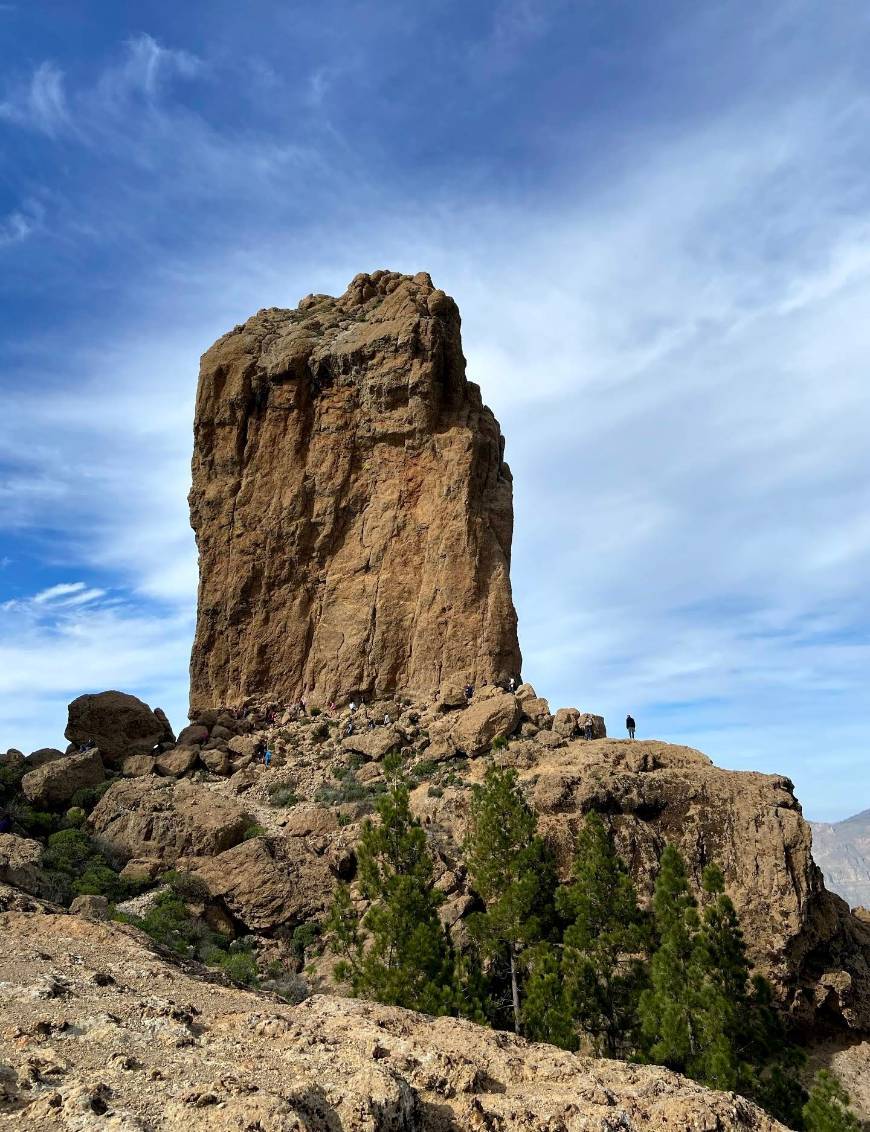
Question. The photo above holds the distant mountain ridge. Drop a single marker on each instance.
(842, 852)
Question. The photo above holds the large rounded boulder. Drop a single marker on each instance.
(117, 723)
(55, 783)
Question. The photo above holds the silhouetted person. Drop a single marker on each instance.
(589, 729)
(630, 726)
(469, 691)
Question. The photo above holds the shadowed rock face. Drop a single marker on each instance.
(352, 508)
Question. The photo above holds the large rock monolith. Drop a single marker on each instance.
(351, 504)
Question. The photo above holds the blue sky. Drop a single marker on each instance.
(656, 221)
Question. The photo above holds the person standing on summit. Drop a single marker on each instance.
(630, 726)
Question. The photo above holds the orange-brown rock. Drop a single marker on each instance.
(103, 1032)
(351, 503)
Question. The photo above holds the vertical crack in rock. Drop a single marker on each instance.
(351, 503)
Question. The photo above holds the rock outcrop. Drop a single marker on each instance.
(103, 1033)
(117, 723)
(351, 503)
(309, 805)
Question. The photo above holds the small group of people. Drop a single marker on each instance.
(510, 685)
(262, 753)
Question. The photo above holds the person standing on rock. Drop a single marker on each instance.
(267, 758)
(469, 691)
(630, 726)
(589, 729)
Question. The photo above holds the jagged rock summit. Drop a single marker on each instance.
(351, 504)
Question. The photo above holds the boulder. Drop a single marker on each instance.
(91, 907)
(218, 762)
(599, 731)
(168, 734)
(565, 722)
(484, 721)
(268, 884)
(176, 762)
(12, 757)
(162, 819)
(342, 569)
(451, 695)
(537, 710)
(133, 766)
(194, 735)
(373, 745)
(44, 755)
(118, 723)
(242, 746)
(20, 864)
(142, 869)
(525, 692)
(53, 784)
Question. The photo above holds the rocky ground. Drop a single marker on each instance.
(100, 1033)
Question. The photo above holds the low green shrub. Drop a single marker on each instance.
(10, 781)
(283, 796)
(170, 923)
(424, 769)
(76, 866)
(304, 937)
(88, 796)
(253, 831)
(187, 886)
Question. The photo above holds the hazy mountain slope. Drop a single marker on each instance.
(842, 852)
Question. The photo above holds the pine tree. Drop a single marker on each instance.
(827, 1109)
(723, 971)
(601, 968)
(669, 1006)
(703, 1015)
(398, 953)
(511, 870)
(774, 1061)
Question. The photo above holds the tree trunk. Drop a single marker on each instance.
(515, 990)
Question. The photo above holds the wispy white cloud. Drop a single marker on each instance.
(62, 589)
(147, 68)
(41, 103)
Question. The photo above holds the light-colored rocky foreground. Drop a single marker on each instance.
(100, 1033)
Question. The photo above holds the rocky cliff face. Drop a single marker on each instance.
(351, 503)
(103, 1033)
